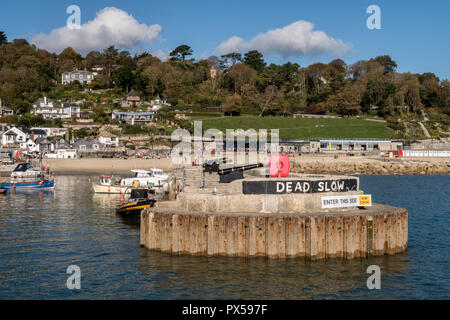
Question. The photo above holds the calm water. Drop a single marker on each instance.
(42, 233)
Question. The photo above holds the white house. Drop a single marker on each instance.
(53, 132)
(108, 142)
(50, 110)
(158, 104)
(14, 136)
(133, 118)
(63, 154)
(83, 77)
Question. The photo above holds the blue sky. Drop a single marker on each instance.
(414, 33)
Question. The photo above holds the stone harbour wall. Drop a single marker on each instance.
(352, 234)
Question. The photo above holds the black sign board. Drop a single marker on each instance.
(299, 186)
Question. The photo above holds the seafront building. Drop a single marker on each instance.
(360, 145)
(339, 145)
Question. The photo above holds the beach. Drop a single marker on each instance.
(105, 166)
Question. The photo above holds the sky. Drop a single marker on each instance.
(414, 33)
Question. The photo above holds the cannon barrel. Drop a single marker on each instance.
(215, 161)
(240, 168)
(213, 165)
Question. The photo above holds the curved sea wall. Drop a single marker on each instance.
(275, 218)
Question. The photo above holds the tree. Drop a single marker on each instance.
(233, 57)
(181, 52)
(69, 59)
(268, 102)
(111, 52)
(232, 105)
(3, 38)
(123, 77)
(386, 61)
(92, 58)
(254, 59)
(241, 74)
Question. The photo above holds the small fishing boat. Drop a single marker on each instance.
(25, 170)
(24, 184)
(106, 184)
(139, 199)
(3, 191)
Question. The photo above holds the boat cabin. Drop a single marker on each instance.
(23, 167)
(158, 172)
(142, 174)
(140, 194)
(106, 180)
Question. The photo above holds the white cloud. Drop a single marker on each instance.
(295, 39)
(111, 26)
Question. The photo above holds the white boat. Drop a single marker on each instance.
(25, 170)
(155, 179)
(160, 174)
(106, 184)
(145, 178)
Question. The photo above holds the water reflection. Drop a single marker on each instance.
(261, 278)
(42, 233)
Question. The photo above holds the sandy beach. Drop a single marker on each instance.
(105, 166)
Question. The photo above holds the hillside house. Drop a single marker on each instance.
(138, 118)
(50, 110)
(133, 98)
(83, 77)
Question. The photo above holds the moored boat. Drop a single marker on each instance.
(139, 199)
(25, 170)
(23, 184)
(106, 184)
(146, 178)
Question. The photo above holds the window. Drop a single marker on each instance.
(83, 147)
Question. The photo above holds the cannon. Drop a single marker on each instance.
(213, 165)
(230, 174)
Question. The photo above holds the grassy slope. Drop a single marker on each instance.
(291, 128)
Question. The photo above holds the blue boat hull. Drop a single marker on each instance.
(29, 185)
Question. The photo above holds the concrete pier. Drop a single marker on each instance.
(234, 221)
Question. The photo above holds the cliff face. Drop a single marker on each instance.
(372, 167)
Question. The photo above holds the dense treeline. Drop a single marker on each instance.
(239, 83)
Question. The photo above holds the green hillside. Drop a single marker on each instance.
(291, 128)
